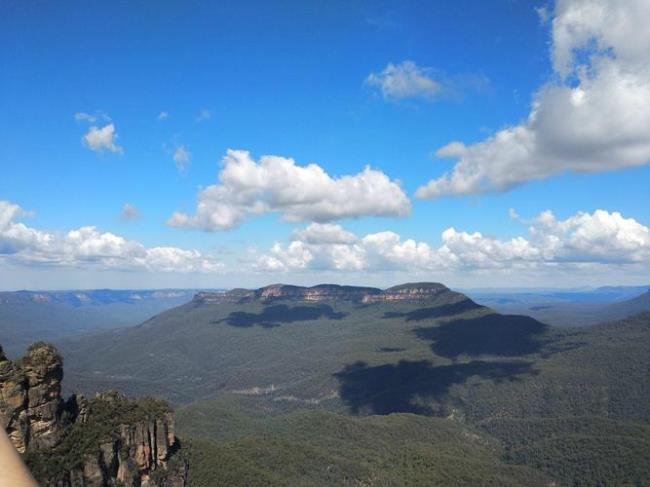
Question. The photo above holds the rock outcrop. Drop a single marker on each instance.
(415, 292)
(411, 292)
(106, 441)
(31, 408)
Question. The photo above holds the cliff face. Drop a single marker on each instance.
(141, 449)
(106, 441)
(31, 408)
(412, 292)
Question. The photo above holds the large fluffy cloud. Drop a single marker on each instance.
(278, 184)
(87, 247)
(594, 116)
(598, 238)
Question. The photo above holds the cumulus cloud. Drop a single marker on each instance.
(324, 233)
(16, 236)
(300, 193)
(598, 238)
(102, 139)
(592, 117)
(405, 80)
(182, 158)
(87, 247)
(130, 212)
(163, 116)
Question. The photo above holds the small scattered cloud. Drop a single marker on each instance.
(91, 118)
(163, 116)
(512, 213)
(300, 193)
(405, 80)
(130, 213)
(85, 117)
(543, 13)
(204, 114)
(182, 158)
(101, 139)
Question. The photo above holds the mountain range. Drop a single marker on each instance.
(245, 365)
(416, 384)
(570, 308)
(29, 316)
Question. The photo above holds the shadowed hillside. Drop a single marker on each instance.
(412, 387)
(278, 314)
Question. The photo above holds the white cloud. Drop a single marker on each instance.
(101, 139)
(277, 184)
(204, 114)
(405, 80)
(592, 118)
(91, 118)
(85, 117)
(16, 236)
(579, 245)
(130, 212)
(324, 233)
(543, 13)
(600, 236)
(163, 116)
(182, 158)
(87, 247)
(597, 239)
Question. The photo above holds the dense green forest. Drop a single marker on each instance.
(444, 392)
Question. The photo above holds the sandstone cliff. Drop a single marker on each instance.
(31, 408)
(105, 441)
(411, 292)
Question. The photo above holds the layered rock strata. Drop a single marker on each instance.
(412, 292)
(106, 441)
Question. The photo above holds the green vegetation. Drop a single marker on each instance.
(323, 448)
(270, 389)
(578, 451)
(106, 414)
(40, 353)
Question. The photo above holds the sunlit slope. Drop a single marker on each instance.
(440, 356)
(288, 347)
(314, 448)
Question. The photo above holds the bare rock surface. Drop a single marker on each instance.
(105, 441)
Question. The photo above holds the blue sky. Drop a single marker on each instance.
(343, 85)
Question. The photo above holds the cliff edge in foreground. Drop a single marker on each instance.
(105, 441)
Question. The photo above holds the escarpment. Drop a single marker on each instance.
(108, 440)
(410, 292)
